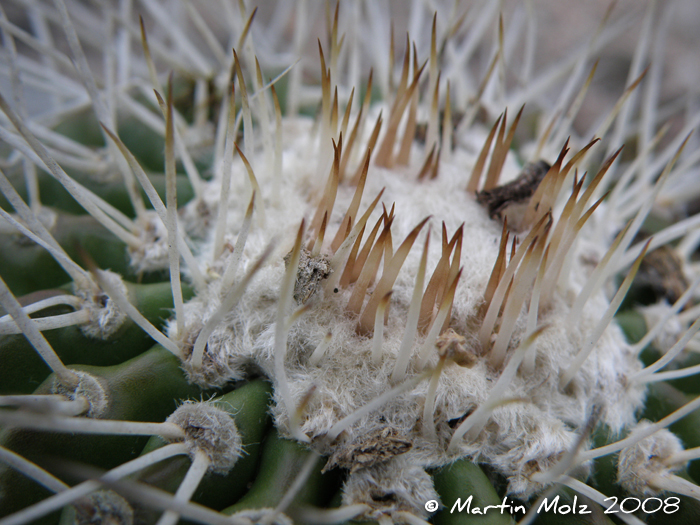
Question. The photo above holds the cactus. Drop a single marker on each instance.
(361, 286)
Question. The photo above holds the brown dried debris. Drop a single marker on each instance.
(369, 449)
(451, 345)
(310, 274)
(516, 191)
(662, 272)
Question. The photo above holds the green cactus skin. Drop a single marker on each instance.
(460, 480)
(28, 267)
(662, 399)
(141, 389)
(248, 406)
(566, 497)
(280, 463)
(23, 370)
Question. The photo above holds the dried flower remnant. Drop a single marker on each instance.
(518, 191)
(450, 345)
(366, 451)
(312, 271)
(662, 272)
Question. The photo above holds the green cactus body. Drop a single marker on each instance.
(281, 461)
(460, 478)
(248, 405)
(141, 389)
(25, 369)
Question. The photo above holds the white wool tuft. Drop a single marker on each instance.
(394, 486)
(520, 438)
(152, 254)
(672, 328)
(254, 516)
(89, 388)
(639, 464)
(103, 506)
(210, 430)
(105, 316)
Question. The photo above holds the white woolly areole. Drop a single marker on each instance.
(519, 439)
(199, 216)
(151, 254)
(393, 486)
(255, 516)
(210, 430)
(105, 507)
(641, 463)
(105, 316)
(670, 331)
(89, 388)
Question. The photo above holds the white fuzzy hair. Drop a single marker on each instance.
(105, 316)
(521, 438)
(640, 463)
(211, 430)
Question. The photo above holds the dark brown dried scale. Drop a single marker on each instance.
(311, 272)
(451, 345)
(370, 449)
(517, 191)
(662, 271)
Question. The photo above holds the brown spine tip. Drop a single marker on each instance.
(346, 223)
(385, 155)
(387, 281)
(437, 284)
(370, 146)
(501, 150)
(427, 165)
(498, 267)
(246, 29)
(368, 273)
(347, 277)
(331, 189)
(475, 178)
(359, 262)
(546, 192)
(409, 135)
